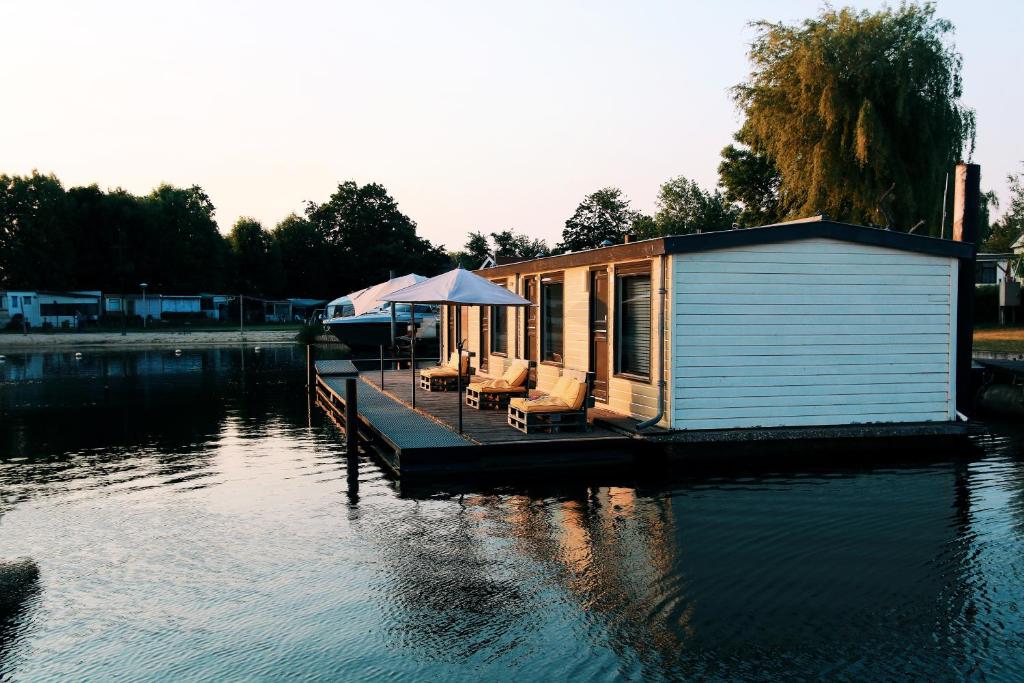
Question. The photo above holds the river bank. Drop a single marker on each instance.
(114, 339)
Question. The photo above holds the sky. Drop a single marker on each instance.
(475, 116)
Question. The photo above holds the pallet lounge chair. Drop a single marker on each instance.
(446, 377)
(495, 394)
(564, 409)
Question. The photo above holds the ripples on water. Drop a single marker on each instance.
(192, 518)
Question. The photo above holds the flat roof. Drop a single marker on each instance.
(809, 228)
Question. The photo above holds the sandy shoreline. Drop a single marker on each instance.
(28, 342)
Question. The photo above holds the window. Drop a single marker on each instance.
(499, 330)
(986, 274)
(499, 327)
(633, 329)
(552, 319)
(113, 304)
(66, 310)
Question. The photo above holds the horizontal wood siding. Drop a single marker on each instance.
(814, 332)
(638, 399)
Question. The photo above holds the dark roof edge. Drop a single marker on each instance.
(741, 237)
(618, 252)
(826, 229)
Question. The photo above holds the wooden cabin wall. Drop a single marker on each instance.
(812, 332)
(636, 398)
(639, 399)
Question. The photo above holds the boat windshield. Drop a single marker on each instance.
(420, 308)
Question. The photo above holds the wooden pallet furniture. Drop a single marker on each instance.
(564, 409)
(446, 377)
(494, 394)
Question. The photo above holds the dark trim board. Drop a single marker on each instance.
(411, 442)
(818, 229)
(812, 228)
(416, 443)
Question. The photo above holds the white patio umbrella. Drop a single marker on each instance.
(461, 288)
(373, 297)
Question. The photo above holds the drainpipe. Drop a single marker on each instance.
(662, 294)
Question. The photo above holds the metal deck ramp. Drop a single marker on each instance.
(403, 428)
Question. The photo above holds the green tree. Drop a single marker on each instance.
(509, 244)
(305, 257)
(183, 251)
(474, 252)
(257, 258)
(602, 216)
(860, 113)
(644, 227)
(684, 207)
(1010, 226)
(36, 251)
(751, 181)
(368, 236)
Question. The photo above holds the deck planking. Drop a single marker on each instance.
(485, 427)
(402, 428)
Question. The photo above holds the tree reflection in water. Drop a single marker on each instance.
(189, 516)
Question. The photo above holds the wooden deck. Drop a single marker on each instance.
(425, 440)
(481, 426)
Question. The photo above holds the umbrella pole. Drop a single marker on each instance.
(412, 351)
(458, 367)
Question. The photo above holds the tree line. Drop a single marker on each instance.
(852, 114)
(52, 238)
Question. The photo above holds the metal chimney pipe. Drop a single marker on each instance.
(966, 210)
(966, 202)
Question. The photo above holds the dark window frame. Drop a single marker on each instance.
(546, 281)
(624, 272)
(498, 313)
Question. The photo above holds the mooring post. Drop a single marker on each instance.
(382, 366)
(310, 369)
(351, 417)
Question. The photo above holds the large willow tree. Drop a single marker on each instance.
(860, 113)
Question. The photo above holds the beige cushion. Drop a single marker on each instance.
(443, 371)
(516, 373)
(560, 386)
(544, 404)
(494, 386)
(574, 393)
(453, 362)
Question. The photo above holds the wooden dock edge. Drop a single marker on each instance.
(622, 449)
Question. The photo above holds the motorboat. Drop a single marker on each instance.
(373, 328)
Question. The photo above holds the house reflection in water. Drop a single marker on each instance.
(713, 573)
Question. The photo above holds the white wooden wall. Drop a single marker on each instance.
(812, 332)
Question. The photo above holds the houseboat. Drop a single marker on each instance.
(807, 324)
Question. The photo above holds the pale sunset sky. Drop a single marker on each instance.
(475, 116)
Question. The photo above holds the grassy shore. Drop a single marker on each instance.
(268, 334)
(1002, 339)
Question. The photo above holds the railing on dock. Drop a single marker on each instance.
(349, 411)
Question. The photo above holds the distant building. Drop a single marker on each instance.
(58, 309)
(132, 305)
(991, 269)
(215, 306)
(302, 309)
(181, 306)
(277, 311)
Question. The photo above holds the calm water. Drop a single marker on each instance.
(192, 518)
